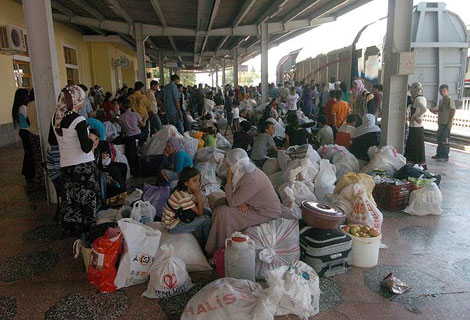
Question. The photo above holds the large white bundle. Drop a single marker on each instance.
(208, 105)
(271, 166)
(157, 143)
(276, 244)
(325, 180)
(276, 179)
(385, 158)
(345, 162)
(222, 142)
(207, 172)
(186, 248)
(140, 250)
(234, 299)
(210, 154)
(302, 169)
(424, 201)
(120, 157)
(190, 145)
(297, 192)
(279, 129)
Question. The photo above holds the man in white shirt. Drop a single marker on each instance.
(155, 122)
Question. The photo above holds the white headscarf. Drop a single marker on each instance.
(367, 126)
(239, 164)
(359, 87)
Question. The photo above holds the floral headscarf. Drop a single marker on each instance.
(70, 99)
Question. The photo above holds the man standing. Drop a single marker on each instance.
(446, 113)
(155, 123)
(171, 104)
(141, 104)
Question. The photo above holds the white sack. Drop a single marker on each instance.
(190, 145)
(156, 144)
(386, 158)
(329, 151)
(279, 130)
(292, 212)
(143, 212)
(233, 299)
(168, 276)
(208, 105)
(276, 179)
(186, 248)
(271, 166)
(207, 172)
(276, 244)
(296, 192)
(140, 250)
(108, 215)
(345, 163)
(363, 210)
(301, 293)
(301, 170)
(222, 142)
(210, 154)
(120, 157)
(424, 201)
(325, 180)
(282, 158)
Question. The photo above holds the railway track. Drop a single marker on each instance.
(457, 141)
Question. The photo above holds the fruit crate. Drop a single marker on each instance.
(392, 197)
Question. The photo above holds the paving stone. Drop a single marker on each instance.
(7, 307)
(27, 265)
(431, 237)
(423, 287)
(330, 294)
(462, 269)
(90, 306)
(45, 233)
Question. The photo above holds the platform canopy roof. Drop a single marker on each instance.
(200, 33)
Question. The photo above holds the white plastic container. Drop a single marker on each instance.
(240, 257)
(365, 251)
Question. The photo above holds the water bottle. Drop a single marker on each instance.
(240, 257)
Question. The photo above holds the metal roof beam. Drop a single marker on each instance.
(299, 10)
(116, 7)
(272, 11)
(56, 5)
(88, 8)
(204, 10)
(215, 8)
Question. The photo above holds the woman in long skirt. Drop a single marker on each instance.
(414, 150)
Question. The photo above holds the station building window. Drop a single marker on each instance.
(22, 74)
(71, 65)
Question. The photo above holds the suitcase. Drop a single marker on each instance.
(328, 252)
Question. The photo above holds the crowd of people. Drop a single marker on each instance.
(88, 167)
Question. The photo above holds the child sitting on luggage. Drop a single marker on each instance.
(184, 210)
(345, 132)
(210, 139)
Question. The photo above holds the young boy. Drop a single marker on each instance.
(445, 118)
(236, 117)
(263, 144)
(325, 134)
(243, 139)
(131, 122)
(345, 132)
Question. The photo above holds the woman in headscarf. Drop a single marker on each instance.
(250, 200)
(356, 97)
(176, 159)
(79, 173)
(364, 137)
(414, 150)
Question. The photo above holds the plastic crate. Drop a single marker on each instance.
(392, 197)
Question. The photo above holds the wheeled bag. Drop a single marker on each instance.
(328, 252)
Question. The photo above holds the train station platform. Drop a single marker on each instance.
(40, 279)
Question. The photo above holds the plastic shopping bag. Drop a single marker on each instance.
(168, 276)
(143, 211)
(105, 251)
(365, 212)
(424, 201)
(303, 169)
(276, 244)
(233, 299)
(366, 180)
(325, 180)
(301, 288)
(210, 154)
(140, 250)
(296, 192)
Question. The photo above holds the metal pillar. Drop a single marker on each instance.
(396, 86)
(212, 79)
(161, 70)
(217, 76)
(264, 62)
(140, 45)
(42, 51)
(223, 73)
(235, 67)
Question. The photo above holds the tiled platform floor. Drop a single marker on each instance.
(430, 253)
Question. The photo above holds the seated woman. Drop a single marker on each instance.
(364, 137)
(250, 197)
(184, 210)
(295, 134)
(176, 159)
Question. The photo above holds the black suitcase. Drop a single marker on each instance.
(328, 252)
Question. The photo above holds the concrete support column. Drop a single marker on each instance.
(217, 76)
(42, 51)
(161, 70)
(264, 62)
(235, 67)
(223, 73)
(140, 46)
(212, 78)
(395, 85)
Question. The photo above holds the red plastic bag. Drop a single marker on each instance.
(219, 257)
(102, 267)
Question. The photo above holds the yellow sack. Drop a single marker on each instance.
(362, 178)
(198, 135)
